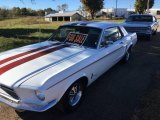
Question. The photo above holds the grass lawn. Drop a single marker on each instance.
(23, 31)
(27, 30)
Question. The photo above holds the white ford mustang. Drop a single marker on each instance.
(39, 76)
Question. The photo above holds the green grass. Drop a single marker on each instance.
(29, 22)
(27, 30)
(10, 43)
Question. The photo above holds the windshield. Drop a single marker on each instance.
(140, 18)
(86, 36)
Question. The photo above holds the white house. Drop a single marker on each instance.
(119, 12)
(64, 16)
(155, 12)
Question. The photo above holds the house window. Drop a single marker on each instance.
(67, 18)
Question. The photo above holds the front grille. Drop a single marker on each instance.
(9, 91)
(136, 29)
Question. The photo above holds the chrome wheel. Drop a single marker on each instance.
(73, 97)
(127, 56)
(75, 94)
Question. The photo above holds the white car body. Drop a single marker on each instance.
(22, 73)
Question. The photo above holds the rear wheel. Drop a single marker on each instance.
(72, 98)
(127, 56)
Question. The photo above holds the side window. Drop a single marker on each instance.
(111, 35)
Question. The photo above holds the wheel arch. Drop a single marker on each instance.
(83, 79)
(130, 46)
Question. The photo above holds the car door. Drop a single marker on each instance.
(112, 49)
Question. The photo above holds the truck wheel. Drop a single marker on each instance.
(127, 56)
(149, 37)
(72, 98)
(155, 32)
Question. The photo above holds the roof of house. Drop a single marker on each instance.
(65, 14)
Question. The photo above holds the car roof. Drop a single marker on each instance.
(101, 25)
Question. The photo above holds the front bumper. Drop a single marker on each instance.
(144, 34)
(18, 104)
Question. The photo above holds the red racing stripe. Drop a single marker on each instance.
(29, 58)
(25, 53)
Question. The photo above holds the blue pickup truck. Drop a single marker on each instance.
(144, 25)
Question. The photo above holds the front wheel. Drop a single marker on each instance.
(149, 38)
(72, 98)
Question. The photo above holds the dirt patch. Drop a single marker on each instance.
(7, 113)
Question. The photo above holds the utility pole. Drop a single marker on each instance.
(148, 6)
(116, 8)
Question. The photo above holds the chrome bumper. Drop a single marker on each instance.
(18, 104)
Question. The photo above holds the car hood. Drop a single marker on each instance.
(137, 24)
(18, 65)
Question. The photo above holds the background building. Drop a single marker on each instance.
(155, 12)
(113, 12)
(64, 16)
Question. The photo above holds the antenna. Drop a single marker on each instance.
(148, 3)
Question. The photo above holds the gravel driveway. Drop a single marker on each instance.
(114, 95)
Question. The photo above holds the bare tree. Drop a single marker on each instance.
(63, 7)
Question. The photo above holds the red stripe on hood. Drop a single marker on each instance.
(29, 58)
(25, 53)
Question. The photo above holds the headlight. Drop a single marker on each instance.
(40, 95)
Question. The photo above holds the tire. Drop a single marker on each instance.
(20, 111)
(72, 98)
(155, 32)
(149, 37)
(127, 56)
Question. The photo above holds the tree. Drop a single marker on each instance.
(16, 11)
(40, 12)
(4, 13)
(93, 6)
(81, 10)
(62, 7)
(48, 10)
(24, 12)
(141, 5)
